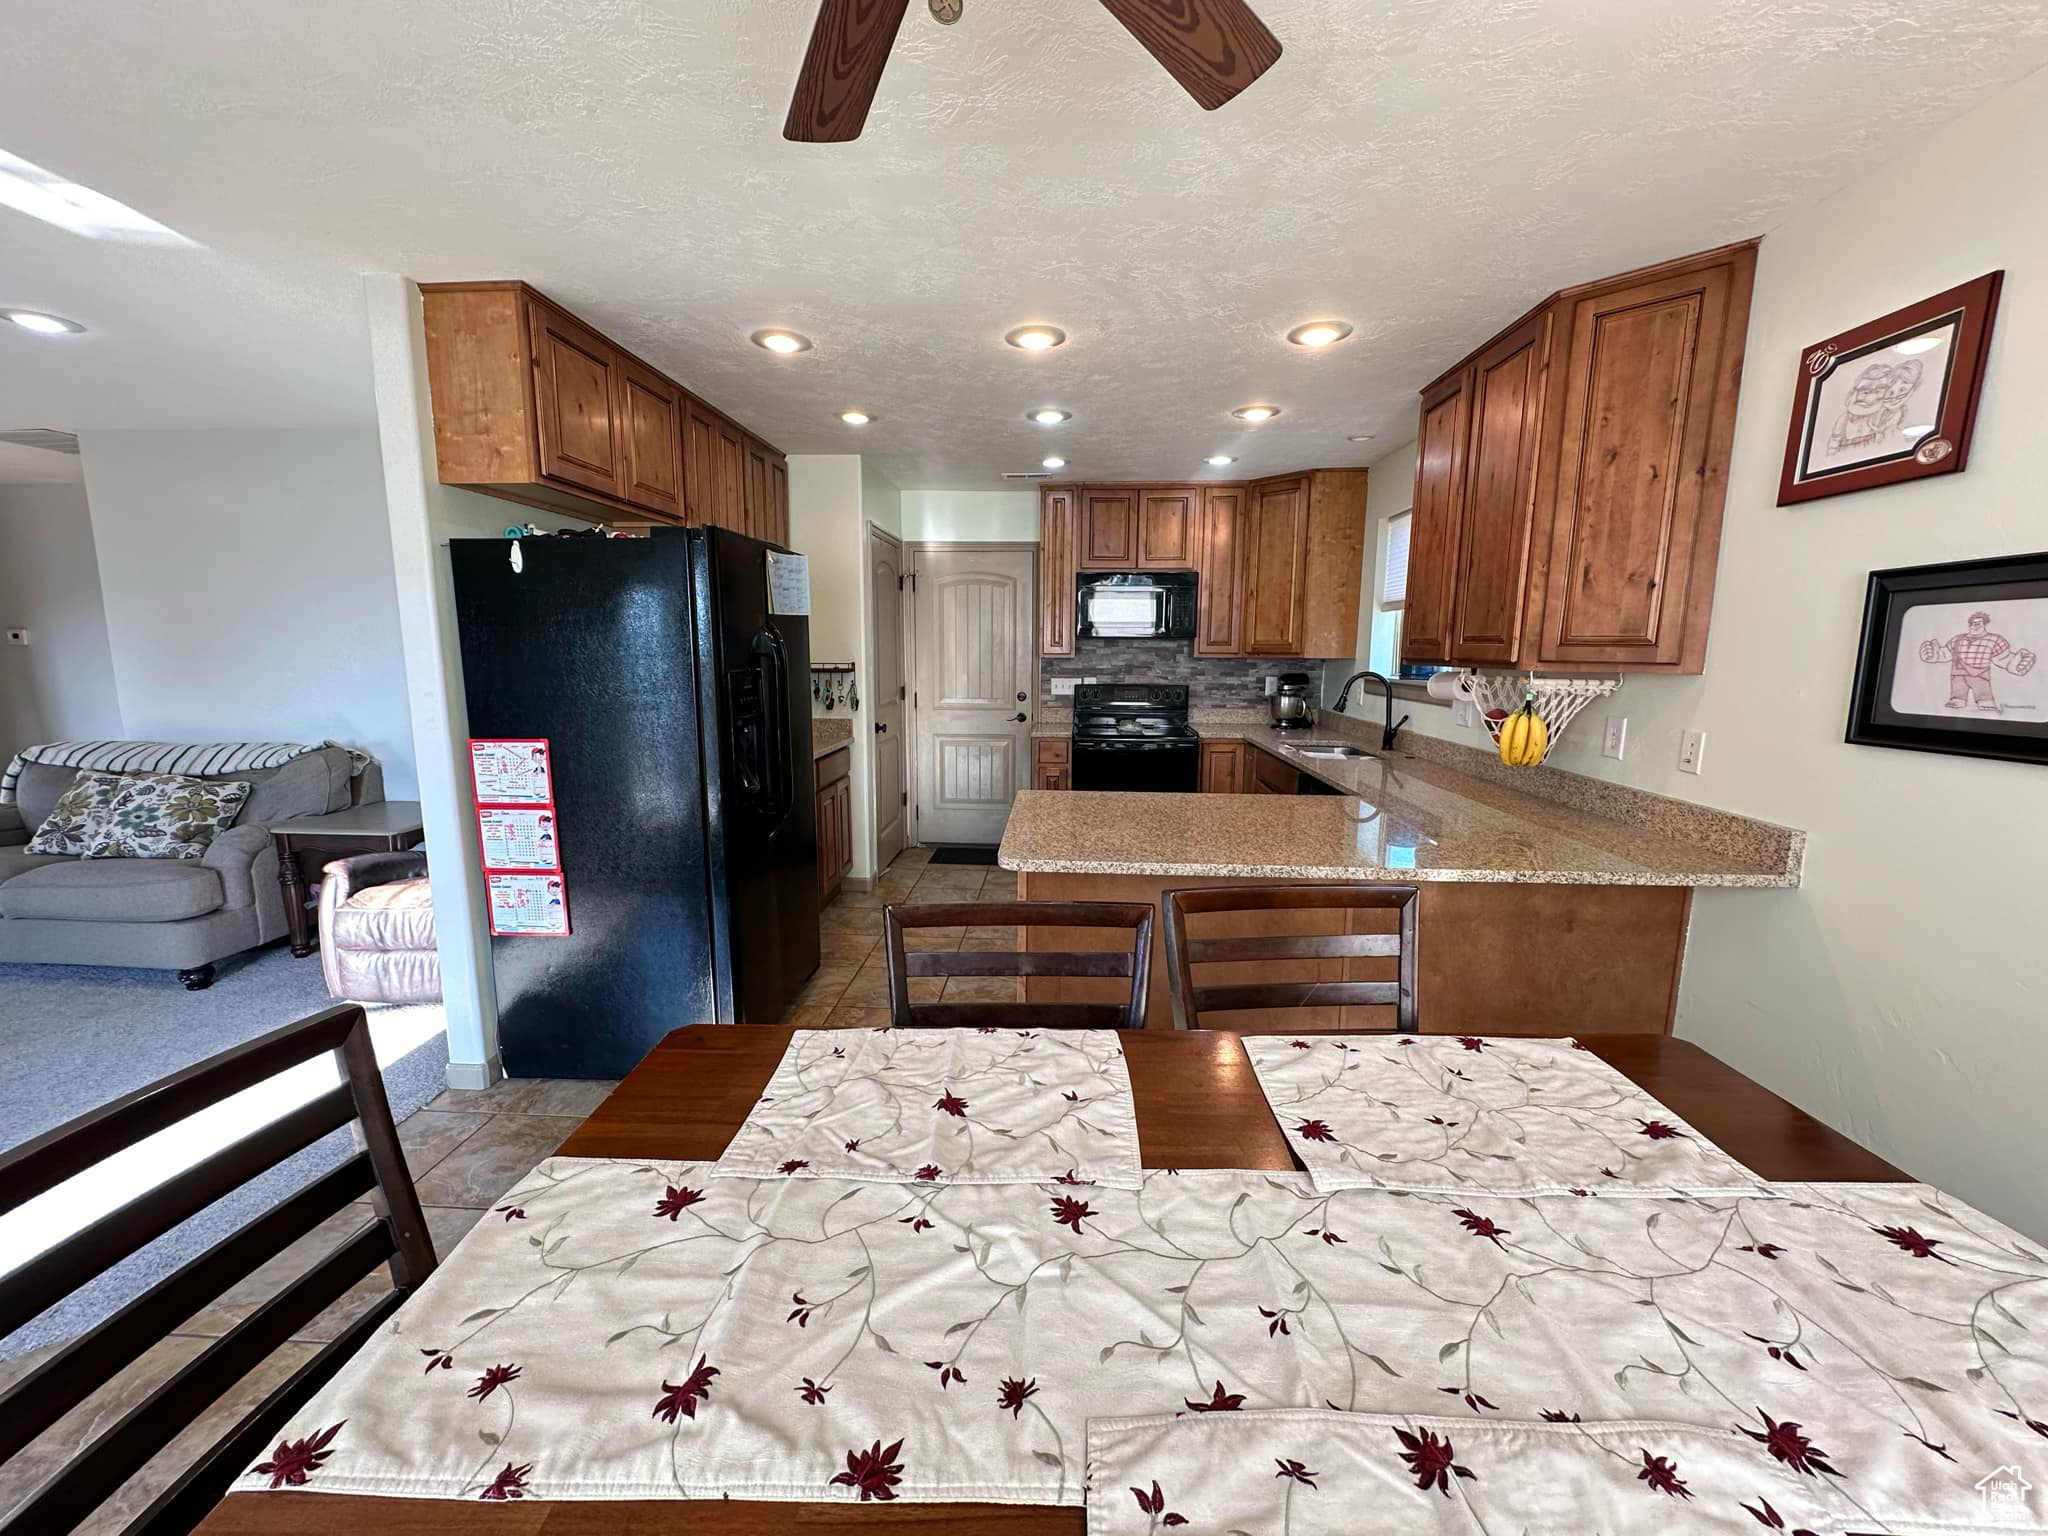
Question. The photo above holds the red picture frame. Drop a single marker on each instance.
(1893, 400)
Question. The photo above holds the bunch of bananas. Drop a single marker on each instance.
(1524, 738)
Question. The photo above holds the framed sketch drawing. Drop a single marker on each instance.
(1892, 400)
(1950, 660)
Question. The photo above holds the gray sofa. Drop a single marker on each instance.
(168, 914)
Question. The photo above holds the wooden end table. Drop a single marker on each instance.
(307, 844)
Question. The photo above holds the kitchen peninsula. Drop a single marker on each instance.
(1555, 908)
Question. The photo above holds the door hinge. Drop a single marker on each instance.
(901, 692)
(906, 797)
(899, 583)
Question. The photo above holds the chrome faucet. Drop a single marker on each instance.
(1393, 728)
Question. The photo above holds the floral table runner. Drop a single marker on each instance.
(945, 1106)
(645, 1330)
(1313, 1472)
(1454, 1114)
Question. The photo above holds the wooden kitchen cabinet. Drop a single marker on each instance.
(1219, 573)
(1223, 770)
(1052, 763)
(1268, 775)
(1109, 528)
(1304, 547)
(1570, 477)
(778, 496)
(835, 821)
(1059, 520)
(1169, 527)
(767, 493)
(532, 405)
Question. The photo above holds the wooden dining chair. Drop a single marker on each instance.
(397, 1234)
(1266, 929)
(1100, 966)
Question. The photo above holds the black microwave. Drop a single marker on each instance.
(1136, 605)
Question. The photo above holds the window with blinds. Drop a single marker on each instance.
(1394, 578)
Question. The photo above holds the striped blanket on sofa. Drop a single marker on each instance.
(196, 759)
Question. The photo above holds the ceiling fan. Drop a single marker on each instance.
(1214, 48)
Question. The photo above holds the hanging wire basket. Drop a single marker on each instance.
(1557, 700)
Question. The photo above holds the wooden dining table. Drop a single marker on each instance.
(1198, 1105)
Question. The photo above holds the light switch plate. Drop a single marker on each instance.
(1272, 685)
(1461, 711)
(1616, 741)
(1063, 687)
(20, 637)
(1692, 751)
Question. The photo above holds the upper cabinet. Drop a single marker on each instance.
(1570, 475)
(1276, 563)
(1059, 524)
(533, 405)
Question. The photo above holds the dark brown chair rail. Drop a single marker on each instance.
(1136, 917)
(74, 1372)
(1184, 951)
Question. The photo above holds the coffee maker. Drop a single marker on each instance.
(1292, 704)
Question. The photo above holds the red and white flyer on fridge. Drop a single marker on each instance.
(511, 772)
(530, 906)
(519, 839)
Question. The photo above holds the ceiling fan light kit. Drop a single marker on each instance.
(1214, 48)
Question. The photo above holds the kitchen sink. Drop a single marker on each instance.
(1328, 749)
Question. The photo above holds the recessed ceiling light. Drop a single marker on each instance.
(1050, 417)
(1221, 459)
(1053, 463)
(1036, 338)
(1319, 333)
(783, 342)
(855, 418)
(1256, 412)
(42, 324)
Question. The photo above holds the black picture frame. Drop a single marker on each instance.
(1979, 725)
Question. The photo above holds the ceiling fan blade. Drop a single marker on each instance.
(1214, 48)
(849, 47)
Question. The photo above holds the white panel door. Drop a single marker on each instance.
(889, 693)
(976, 668)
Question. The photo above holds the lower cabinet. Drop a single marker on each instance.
(1052, 763)
(1223, 767)
(835, 822)
(1270, 776)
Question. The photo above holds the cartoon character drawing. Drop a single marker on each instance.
(1970, 657)
(1875, 409)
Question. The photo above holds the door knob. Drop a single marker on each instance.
(1020, 698)
(1022, 717)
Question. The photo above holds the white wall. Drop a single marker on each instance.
(248, 587)
(60, 687)
(1899, 994)
(970, 517)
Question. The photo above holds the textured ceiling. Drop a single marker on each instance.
(1422, 168)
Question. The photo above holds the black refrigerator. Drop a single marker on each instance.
(678, 711)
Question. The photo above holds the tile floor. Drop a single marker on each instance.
(464, 1150)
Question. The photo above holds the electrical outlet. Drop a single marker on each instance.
(20, 637)
(1692, 751)
(1272, 685)
(1616, 742)
(1461, 712)
(1063, 687)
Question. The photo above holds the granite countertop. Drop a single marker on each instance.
(829, 735)
(1402, 816)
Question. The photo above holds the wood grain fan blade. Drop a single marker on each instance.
(1214, 48)
(849, 47)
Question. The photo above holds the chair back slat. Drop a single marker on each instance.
(68, 1377)
(1296, 946)
(1316, 970)
(53, 1275)
(123, 1450)
(1016, 962)
(396, 1233)
(1133, 919)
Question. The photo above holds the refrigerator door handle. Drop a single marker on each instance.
(781, 773)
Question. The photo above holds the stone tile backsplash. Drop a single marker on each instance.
(1213, 683)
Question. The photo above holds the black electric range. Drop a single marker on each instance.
(1135, 736)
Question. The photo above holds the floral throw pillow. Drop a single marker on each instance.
(77, 817)
(165, 816)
